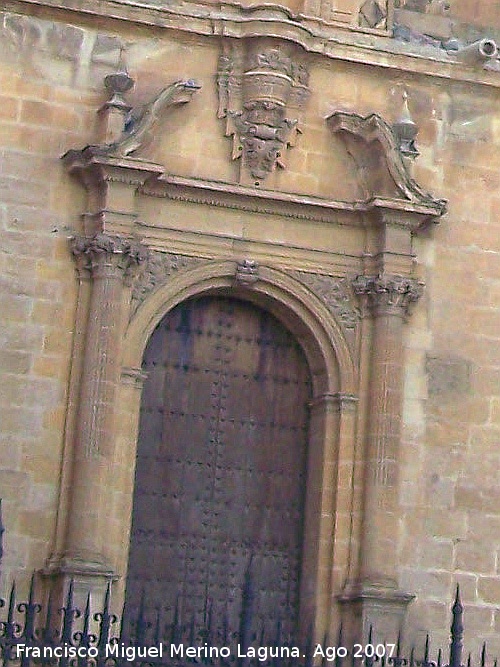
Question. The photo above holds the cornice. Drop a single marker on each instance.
(375, 47)
(94, 166)
(412, 215)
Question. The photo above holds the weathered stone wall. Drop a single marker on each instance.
(51, 74)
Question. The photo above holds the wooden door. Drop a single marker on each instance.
(221, 464)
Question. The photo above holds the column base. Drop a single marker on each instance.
(373, 607)
(87, 576)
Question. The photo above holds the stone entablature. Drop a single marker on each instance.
(343, 34)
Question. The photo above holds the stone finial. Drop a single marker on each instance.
(405, 131)
(113, 113)
(117, 84)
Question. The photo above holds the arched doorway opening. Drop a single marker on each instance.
(221, 466)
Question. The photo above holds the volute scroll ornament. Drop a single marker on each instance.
(158, 268)
(125, 129)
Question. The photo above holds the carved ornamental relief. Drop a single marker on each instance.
(158, 267)
(261, 96)
(337, 295)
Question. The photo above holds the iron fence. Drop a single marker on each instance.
(32, 633)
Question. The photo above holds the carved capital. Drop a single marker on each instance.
(107, 256)
(388, 295)
(247, 273)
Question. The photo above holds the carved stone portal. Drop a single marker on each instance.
(256, 94)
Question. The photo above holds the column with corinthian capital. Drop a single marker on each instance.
(107, 256)
(109, 262)
(387, 299)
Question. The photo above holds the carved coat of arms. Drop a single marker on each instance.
(261, 96)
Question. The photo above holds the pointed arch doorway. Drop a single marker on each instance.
(221, 465)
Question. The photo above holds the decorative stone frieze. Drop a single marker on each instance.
(255, 95)
(335, 293)
(390, 294)
(158, 267)
(247, 273)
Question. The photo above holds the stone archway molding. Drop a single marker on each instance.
(305, 314)
(332, 420)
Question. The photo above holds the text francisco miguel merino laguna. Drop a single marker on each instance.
(131, 653)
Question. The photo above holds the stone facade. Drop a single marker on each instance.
(267, 152)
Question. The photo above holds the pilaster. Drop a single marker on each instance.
(108, 256)
(110, 261)
(373, 597)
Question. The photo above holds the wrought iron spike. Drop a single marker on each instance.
(30, 609)
(192, 629)
(10, 627)
(369, 659)
(225, 625)
(2, 531)
(308, 647)
(12, 602)
(247, 604)
(86, 620)
(47, 633)
(176, 634)
(278, 660)
(483, 655)
(107, 597)
(123, 623)
(86, 615)
(142, 624)
(106, 620)
(157, 632)
(457, 631)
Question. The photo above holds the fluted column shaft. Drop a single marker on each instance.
(110, 261)
(387, 299)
